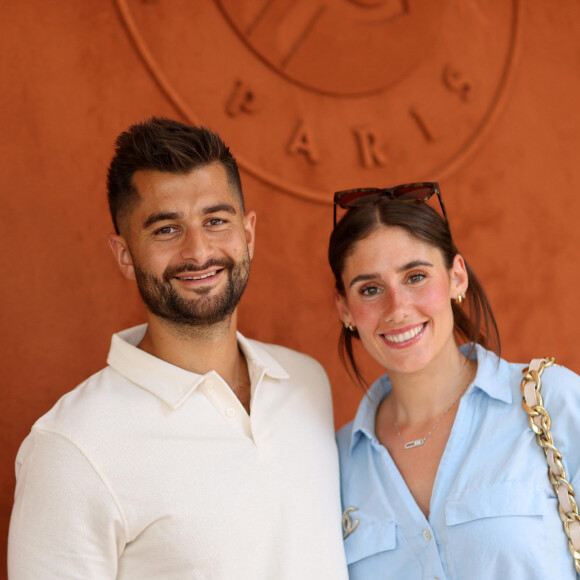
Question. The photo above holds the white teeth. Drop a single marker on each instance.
(404, 336)
(200, 277)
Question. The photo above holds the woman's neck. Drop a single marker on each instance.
(420, 396)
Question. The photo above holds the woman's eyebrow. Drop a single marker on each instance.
(414, 264)
(362, 278)
(403, 268)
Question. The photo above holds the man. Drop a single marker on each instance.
(196, 453)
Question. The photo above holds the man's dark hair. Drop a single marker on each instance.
(161, 144)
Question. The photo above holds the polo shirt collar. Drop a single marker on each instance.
(260, 360)
(172, 384)
(492, 378)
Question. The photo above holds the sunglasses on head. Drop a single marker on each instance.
(417, 192)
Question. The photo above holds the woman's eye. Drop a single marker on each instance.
(414, 278)
(370, 291)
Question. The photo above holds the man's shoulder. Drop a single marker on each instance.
(278, 350)
(97, 395)
(296, 364)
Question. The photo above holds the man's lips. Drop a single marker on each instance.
(405, 336)
(203, 276)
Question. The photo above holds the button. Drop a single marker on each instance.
(209, 384)
(427, 536)
(230, 412)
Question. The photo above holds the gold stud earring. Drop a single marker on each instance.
(460, 298)
(349, 327)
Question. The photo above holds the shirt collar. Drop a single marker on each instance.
(493, 374)
(260, 360)
(172, 384)
(364, 421)
(492, 378)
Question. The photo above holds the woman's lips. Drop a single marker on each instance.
(399, 338)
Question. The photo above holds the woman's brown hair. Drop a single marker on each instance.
(474, 320)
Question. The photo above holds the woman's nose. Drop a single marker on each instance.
(396, 305)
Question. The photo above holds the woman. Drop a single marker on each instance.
(442, 476)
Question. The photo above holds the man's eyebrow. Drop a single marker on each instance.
(174, 215)
(227, 207)
(403, 268)
(161, 216)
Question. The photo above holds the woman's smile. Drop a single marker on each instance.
(404, 338)
(398, 294)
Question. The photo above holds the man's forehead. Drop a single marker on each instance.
(204, 186)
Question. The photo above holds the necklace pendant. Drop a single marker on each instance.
(416, 443)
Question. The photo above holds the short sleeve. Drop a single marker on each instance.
(65, 522)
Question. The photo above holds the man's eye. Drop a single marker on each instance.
(165, 230)
(216, 222)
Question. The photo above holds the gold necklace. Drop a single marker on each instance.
(419, 442)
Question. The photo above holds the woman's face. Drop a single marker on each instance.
(398, 295)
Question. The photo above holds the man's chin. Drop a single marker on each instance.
(204, 312)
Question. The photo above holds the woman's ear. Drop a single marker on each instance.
(123, 256)
(342, 308)
(459, 277)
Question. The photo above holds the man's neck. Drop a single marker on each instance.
(200, 350)
(197, 349)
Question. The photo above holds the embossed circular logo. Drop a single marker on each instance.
(309, 93)
(342, 48)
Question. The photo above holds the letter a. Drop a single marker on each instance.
(302, 142)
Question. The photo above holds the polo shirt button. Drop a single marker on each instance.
(209, 384)
(230, 412)
(427, 536)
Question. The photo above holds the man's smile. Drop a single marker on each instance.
(199, 276)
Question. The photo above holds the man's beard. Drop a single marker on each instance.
(162, 299)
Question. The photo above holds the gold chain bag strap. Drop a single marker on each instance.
(540, 424)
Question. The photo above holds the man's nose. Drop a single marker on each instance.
(196, 246)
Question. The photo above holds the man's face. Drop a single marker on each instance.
(187, 245)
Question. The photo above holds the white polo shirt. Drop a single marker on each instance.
(148, 471)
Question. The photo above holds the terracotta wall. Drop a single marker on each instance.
(313, 96)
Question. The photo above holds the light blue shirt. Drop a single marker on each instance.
(493, 513)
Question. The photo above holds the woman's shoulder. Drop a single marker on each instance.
(555, 376)
(560, 394)
(556, 380)
(560, 389)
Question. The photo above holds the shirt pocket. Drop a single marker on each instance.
(496, 525)
(369, 539)
(495, 501)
